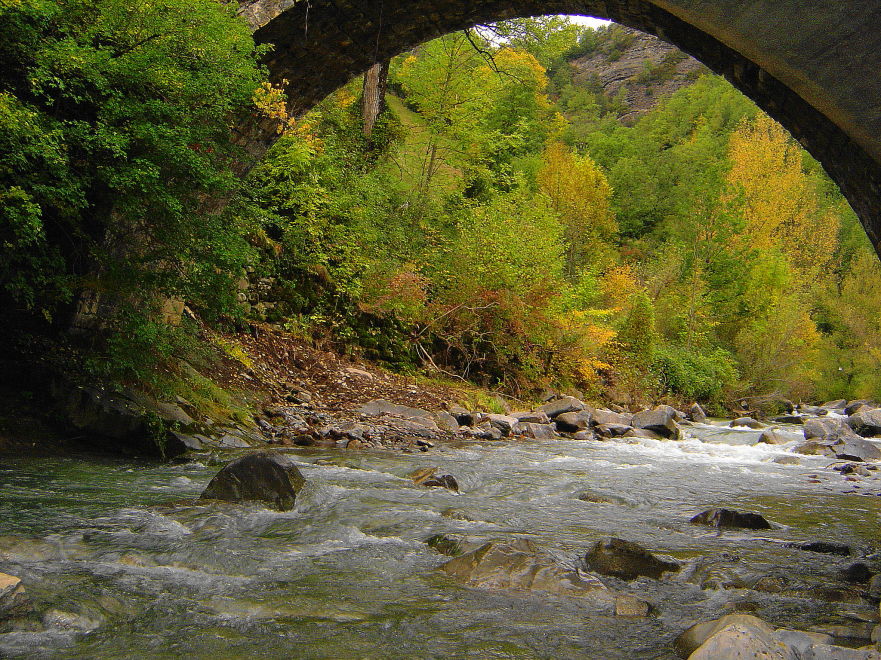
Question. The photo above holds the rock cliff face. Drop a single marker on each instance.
(641, 71)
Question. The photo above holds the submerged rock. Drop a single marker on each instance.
(447, 481)
(518, 566)
(267, 477)
(625, 560)
(631, 606)
(730, 518)
(824, 547)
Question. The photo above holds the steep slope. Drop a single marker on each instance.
(635, 68)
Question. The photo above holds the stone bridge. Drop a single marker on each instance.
(815, 66)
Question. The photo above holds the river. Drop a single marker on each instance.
(125, 565)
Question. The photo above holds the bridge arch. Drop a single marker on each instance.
(817, 72)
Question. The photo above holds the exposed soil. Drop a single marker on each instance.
(287, 369)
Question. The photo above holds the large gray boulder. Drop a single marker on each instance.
(854, 449)
(603, 416)
(625, 560)
(572, 422)
(504, 423)
(560, 406)
(535, 431)
(866, 422)
(661, 420)
(267, 477)
(830, 430)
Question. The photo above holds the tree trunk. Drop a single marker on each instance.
(373, 95)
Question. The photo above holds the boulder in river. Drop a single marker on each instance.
(690, 640)
(730, 518)
(773, 437)
(748, 422)
(661, 420)
(447, 481)
(743, 639)
(518, 566)
(13, 599)
(265, 476)
(625, 560)
(854, 449)
(697, 414)
(828, 429)
(560, 406)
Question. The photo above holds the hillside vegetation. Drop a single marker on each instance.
(501, 225)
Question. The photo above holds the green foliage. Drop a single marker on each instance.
(695, 374)
(114, 129)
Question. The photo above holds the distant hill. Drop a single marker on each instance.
(637, 69)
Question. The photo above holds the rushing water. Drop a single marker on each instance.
(347, 573)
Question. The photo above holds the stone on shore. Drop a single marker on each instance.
(560, 406)
(661, 420)
(572, 422)
(535, 430)
(266, 476)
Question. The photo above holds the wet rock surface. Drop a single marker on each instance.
(265, 477)
(729, 518)
(626, 560)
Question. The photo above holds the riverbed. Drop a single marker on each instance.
(122, 563)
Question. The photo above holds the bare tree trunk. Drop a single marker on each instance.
(373, 95)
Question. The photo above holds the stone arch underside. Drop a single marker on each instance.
(817, 72)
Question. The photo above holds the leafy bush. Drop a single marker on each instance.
(695, 373)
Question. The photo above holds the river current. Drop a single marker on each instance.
(122, 564)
